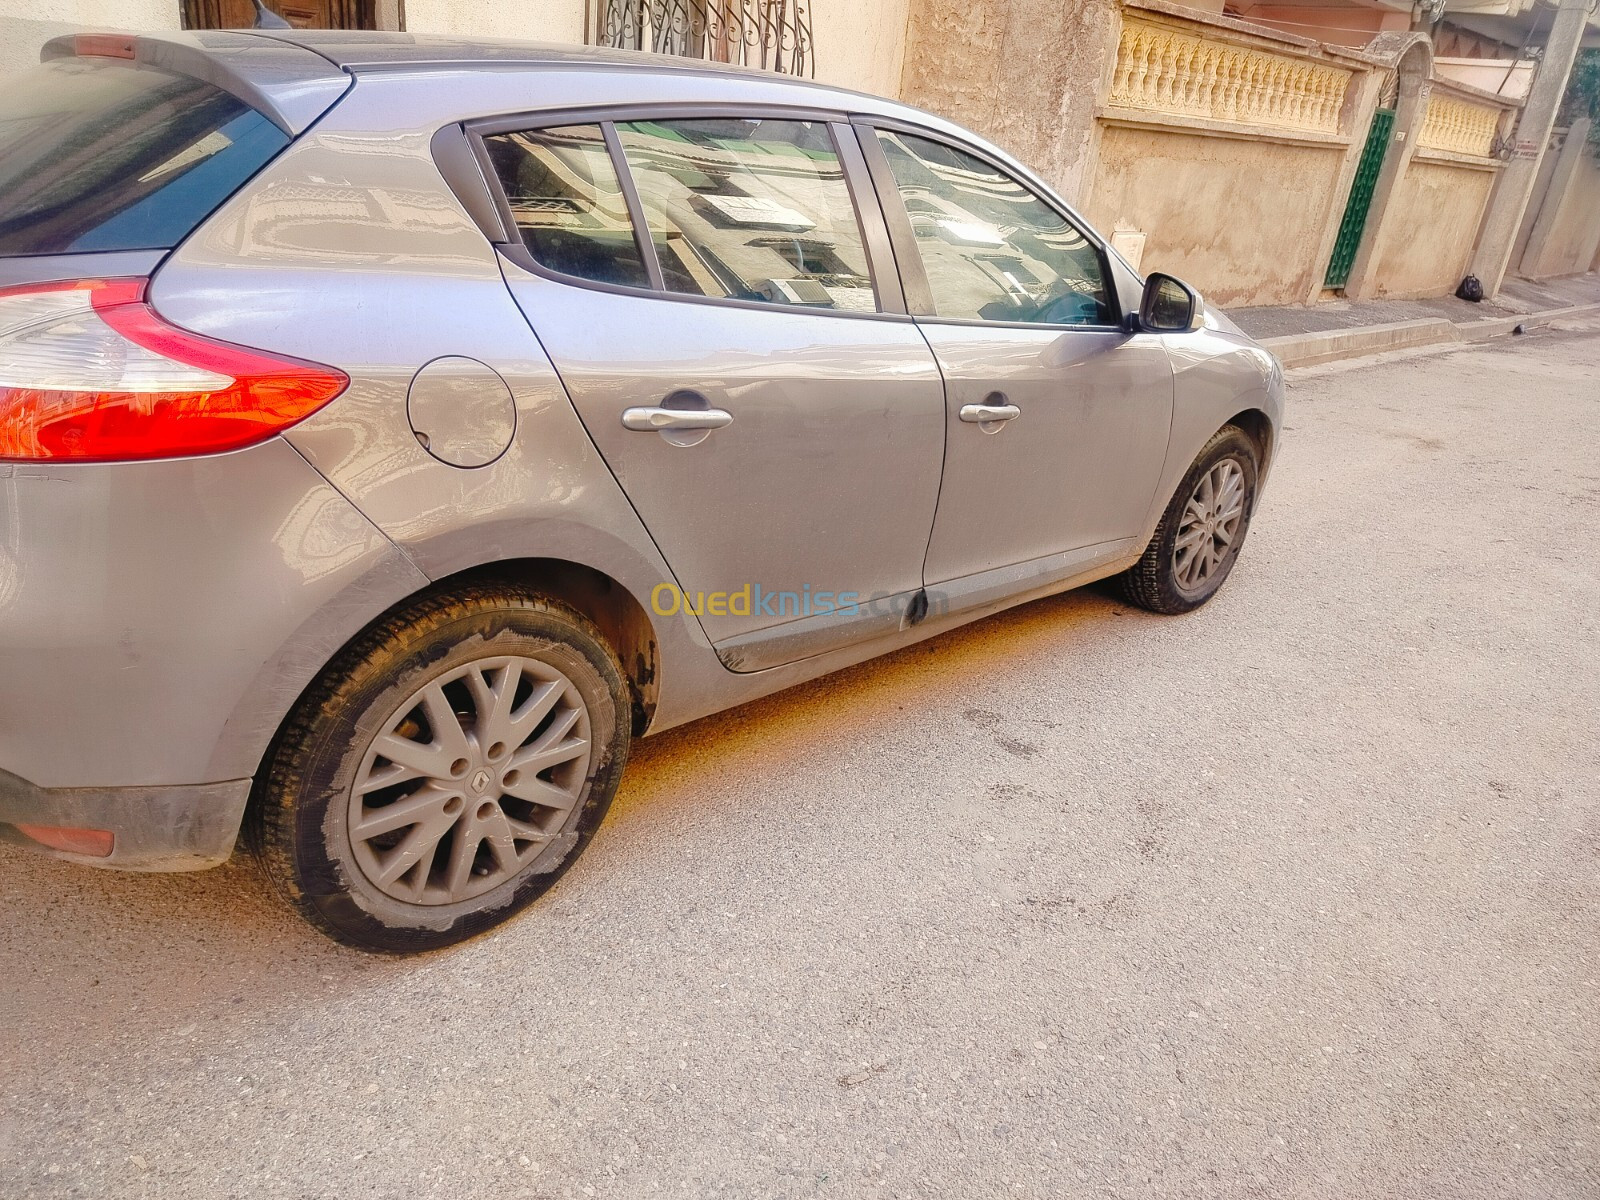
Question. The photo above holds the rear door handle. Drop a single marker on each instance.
(658, 420)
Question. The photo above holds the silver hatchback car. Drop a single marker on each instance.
(392, 428)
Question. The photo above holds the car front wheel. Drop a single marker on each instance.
(1199, 536)
(445, 770)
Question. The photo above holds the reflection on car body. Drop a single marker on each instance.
(412, 477)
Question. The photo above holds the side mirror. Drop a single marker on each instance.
(1169, 306)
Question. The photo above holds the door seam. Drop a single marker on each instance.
(566, 392)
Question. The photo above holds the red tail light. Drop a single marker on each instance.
(90, 372)
(97, 843)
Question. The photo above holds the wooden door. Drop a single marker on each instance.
(302, 14)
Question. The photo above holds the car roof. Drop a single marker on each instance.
(356, 48)
(360, 51)
(296, 74)
(270, 67)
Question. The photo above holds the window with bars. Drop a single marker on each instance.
(771, 34)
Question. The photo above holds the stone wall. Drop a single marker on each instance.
(1027, 74)
(1431, 223)
(1424, 248)
(1233, 149)
(1241, 219)
(1226, 146)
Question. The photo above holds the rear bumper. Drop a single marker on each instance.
(159, 618)
(152, 828)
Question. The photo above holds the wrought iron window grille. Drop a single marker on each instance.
(771, 34)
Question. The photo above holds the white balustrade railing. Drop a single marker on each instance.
(1165, 70)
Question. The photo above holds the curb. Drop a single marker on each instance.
(1493, 327)
(1331, 345)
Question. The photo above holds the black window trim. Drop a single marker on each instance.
(914, 278)
(877, 239)
(648, 255)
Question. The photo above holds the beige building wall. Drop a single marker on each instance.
(861, 44)
(1504, 77)
(26, 25)
(1242, 220)
(529, 20)
(1424, 247)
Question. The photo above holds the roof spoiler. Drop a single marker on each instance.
(288, 84)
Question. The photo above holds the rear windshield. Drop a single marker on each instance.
(97, 154)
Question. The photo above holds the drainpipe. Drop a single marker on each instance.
(1504, 216)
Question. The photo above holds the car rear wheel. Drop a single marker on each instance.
(1200, 534)
(444, 771)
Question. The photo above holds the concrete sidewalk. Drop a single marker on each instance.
(1302, 336)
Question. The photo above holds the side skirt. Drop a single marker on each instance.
(890, 619)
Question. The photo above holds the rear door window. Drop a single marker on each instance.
(101, 155)
(567, 203)
(750, 209)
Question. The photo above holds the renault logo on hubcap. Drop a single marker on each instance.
(480, 781)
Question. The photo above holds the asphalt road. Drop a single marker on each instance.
(1295, 896)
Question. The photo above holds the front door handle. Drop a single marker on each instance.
(977, 414)
(990, 418)
(658, 420)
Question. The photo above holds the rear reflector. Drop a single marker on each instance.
(103, 45)
(89, 372)
(96, 843)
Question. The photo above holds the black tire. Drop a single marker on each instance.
(1153, 582)
(303, 808)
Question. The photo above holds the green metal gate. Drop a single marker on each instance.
(1361, 189)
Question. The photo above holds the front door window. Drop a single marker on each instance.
(992, 250)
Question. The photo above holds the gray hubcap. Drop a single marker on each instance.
(1209, 530)
(469, 780)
